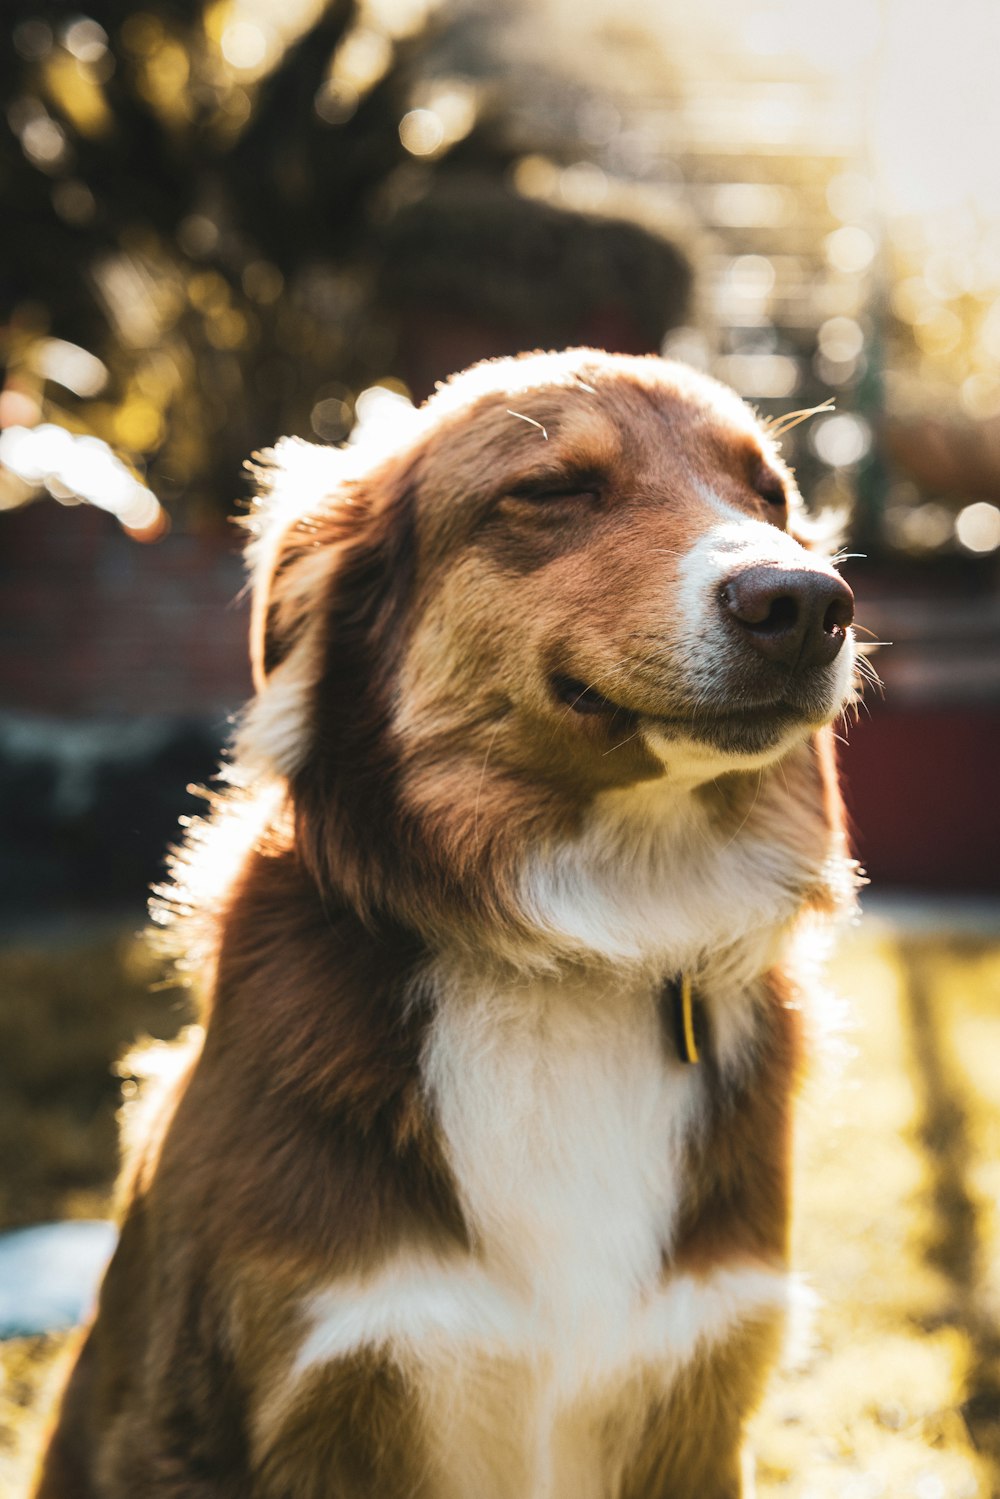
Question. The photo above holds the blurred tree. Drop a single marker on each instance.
(191, 216)
(222, 219)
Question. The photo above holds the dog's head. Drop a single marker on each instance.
(576, 574)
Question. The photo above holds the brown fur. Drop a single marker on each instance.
(690, 1442)
(416, 616)
(739, 1203)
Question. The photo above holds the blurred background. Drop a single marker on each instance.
(225, 220)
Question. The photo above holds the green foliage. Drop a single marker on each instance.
(227, 225)
(199, 217)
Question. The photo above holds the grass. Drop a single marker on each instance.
(896, 1392)
(69, 1008)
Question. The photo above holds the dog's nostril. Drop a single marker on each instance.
(840, 615)
(782, 615)
(754, 602)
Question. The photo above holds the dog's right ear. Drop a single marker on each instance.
(300, 523)
(332, 565)
(329, 543)
(303, 489)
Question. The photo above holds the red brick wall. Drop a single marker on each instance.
(93, 623)
(922, 791)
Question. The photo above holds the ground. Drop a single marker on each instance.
(899, 1393)
(896, 1390)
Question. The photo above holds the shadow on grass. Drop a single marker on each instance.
(956, 1244)
(69, 1008)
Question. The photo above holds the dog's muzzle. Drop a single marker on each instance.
(794, 617)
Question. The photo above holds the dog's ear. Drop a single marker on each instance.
(301, 503)
(332, 563)
(317, 549)
(291, 556)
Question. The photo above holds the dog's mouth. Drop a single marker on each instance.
(740, 727)
(587, 701)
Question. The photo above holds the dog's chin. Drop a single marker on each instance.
(753, 729)
(742, 733)
(741, 730)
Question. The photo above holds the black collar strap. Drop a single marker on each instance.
(687, 1017)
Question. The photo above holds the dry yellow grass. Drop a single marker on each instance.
(897, 1393)
(69, 1007)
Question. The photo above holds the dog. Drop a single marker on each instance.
(474, 1183)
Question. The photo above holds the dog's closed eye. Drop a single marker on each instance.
(552, 489)
(770, 487)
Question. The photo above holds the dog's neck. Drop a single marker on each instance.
(704, 881)
(653, 881)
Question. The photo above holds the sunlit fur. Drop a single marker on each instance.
(431, 1206)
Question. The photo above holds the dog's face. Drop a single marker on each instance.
(578, 573)
(606, 578)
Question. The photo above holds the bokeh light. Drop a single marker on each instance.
(978, 527)
(82, 467)
(841, 440)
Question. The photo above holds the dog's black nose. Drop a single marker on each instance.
(795, 616)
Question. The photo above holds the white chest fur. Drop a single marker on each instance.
(565, 1117)
(565, 1120)
(653, 878)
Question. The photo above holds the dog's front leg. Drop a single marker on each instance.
(351, 1429)
(687, 1441)
(129, 1456)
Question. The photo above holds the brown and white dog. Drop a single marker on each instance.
(476, 1186)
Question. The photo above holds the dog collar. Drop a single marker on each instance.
(687, 1017)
